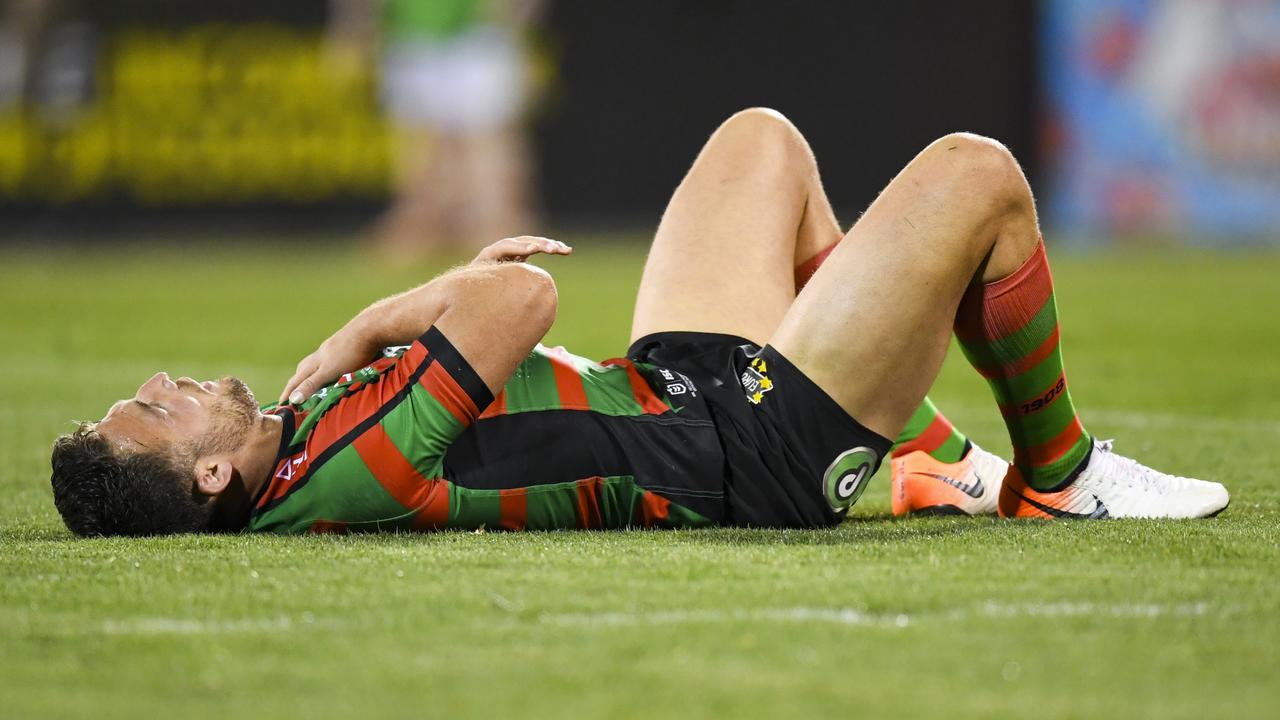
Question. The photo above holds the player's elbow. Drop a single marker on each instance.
(530, 295)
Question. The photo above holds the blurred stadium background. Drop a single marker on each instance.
(1134, 118)
(212, 187)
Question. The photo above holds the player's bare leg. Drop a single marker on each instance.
(953, 241)
(747, 213)
(753, 205)
(959, 211)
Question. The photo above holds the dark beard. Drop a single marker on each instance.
(234, 414)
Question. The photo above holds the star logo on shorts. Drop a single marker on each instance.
(755, 381)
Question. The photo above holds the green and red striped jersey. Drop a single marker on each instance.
(369, 452)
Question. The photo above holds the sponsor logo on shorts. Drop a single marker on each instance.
(847, 476)
(677, 383)
(755, 380)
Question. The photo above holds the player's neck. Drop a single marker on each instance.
(254, 463)
(261, 453)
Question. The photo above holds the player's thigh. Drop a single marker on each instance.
(724, 255)
(872, 326)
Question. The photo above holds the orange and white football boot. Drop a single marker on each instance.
(1112, 485)
(921, 484)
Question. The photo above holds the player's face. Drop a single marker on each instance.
(182, 417)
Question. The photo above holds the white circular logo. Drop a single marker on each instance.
(847, 475)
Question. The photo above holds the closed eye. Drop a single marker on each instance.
(148, 407)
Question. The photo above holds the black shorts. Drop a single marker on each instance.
(794, 457)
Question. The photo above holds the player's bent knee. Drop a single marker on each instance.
(758, 125)
(982, 165)
(764, 137)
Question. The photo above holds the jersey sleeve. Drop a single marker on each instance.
(372, 457)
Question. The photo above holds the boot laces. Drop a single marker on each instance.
(1122, 471)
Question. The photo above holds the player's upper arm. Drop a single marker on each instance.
(496, 315)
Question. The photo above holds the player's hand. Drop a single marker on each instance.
(343, 352)
(519, 249)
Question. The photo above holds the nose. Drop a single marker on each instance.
(159, 381)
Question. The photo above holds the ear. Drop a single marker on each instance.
(213, 475)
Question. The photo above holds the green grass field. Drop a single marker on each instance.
(1177, 355)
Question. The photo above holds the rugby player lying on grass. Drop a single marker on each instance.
(735, 404)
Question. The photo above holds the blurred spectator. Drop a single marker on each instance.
(454, 84)
(47, 55)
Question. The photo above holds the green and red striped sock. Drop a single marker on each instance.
(1008, 330)
(929, 431)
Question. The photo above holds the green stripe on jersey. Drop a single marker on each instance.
(420, 427)
(533, 386)
(609, 391)
(473, 509)
(344, 488)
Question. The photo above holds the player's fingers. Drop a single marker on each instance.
(305, 368)
(306, 388)
(546, 245)
(506, 249)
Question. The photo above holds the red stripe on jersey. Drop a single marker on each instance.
(649, 401)
(573, 394)
(589, 503)
(497, 407)
(402, 481)
(445, 389)
(355, 407)
(513, 508)
(653, 509)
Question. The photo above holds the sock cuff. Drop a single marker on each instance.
(937, 432)
(806, 269)
(1008, 304)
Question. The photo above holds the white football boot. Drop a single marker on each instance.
(1114, 486)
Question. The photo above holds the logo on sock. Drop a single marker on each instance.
(847, 476)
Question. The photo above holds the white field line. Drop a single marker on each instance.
(191, 626)
(851, 617)
(833, 616)
(802, 615)
(1143, 419)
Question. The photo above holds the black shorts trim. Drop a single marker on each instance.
(451, 359)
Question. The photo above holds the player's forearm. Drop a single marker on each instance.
(399, 319)
(492, 311)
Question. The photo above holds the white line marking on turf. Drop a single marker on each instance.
(1088, 609)
(1133, 418)
(190, 626)
(852, 617)
(1141, 419)
(837, 616)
